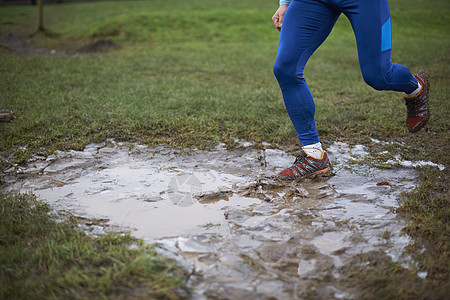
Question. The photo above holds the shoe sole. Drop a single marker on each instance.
(327, 172)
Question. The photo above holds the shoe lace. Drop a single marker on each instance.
(413, 105)
(300, 159)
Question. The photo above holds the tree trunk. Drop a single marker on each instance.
(41, 15)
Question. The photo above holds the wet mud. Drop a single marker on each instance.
(16, 43)
(223, 216)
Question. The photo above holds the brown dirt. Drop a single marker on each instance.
(99, 46)
(13, 42)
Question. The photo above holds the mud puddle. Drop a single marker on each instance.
(223, 216)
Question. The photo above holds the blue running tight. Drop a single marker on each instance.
(306, 25)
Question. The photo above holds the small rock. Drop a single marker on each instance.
(383, 183)
(7, 115)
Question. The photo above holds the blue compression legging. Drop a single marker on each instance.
(306, 25)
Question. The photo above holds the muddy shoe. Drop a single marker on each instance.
(306, 166)
(418, 108)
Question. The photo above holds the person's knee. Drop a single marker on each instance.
(280, 69)
(286, 71)
(376, 80)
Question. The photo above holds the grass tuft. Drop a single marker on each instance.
(42, 257)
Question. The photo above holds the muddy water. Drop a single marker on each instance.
(223, 216)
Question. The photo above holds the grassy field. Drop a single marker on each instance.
(193, 73)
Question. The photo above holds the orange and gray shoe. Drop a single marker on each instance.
(418, 110)
(306, 166)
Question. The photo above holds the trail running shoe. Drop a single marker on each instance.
(306, 166)
(418, 109)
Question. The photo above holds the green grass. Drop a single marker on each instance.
(193, 73)
(374, 276)
(429, 211)
(182, 77)
(42, 258)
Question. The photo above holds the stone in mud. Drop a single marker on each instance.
(383, 183)
(214, 197)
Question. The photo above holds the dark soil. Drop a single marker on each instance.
(99, 46)
(34, 2)
(13, 42)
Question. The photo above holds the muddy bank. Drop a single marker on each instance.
(15, 43)
(222, 215)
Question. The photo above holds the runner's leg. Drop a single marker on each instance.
(371, 23)
(306, 25)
